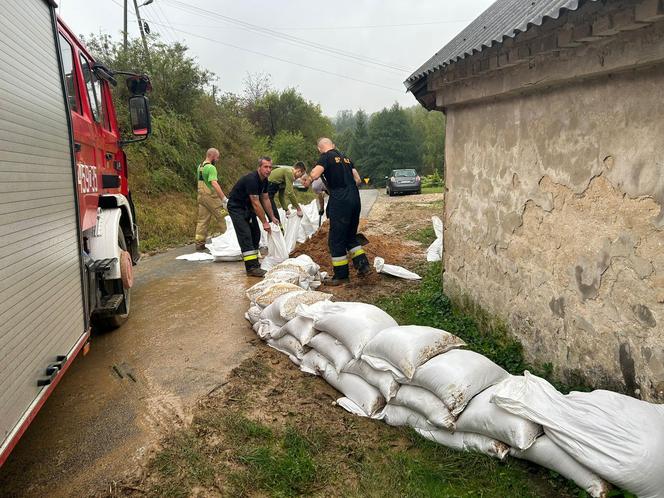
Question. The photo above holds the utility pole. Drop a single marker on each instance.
(140, 27)
(124, 31)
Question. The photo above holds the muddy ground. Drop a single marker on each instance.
(271, 430)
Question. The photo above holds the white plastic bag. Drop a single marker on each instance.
(383, 381)
(354, 324)
(466, 441)
(293, 224)
(402, 349)
(356, 389)
(435, 250)
(314, 363)
(458, 375)
(300, 327)
(397, 415)
(544, 452)
(276, 248)
(333, 350)
(481, 416)
(394, 270)
(426, 403)
(196, 256)
(619, 438)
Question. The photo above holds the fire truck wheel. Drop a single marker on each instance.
(121, 285)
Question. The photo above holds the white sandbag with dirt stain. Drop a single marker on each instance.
(356, 389)
(466, 441)
(425, 403)
(273, 311)
(272, 292)
(619, 438)
(290, 346)
(394, 270)
(314, 363)
(253, 314)
(457, 376)
(258, 288)
(354, 324)
(402, 349)
(481, 416)
(336, 353)
(289, 306)
(300, 327)
(383, 381)
(546, 453)
(398, 415)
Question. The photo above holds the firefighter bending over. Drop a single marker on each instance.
(249, 199)
(343, 210)
(280, 183)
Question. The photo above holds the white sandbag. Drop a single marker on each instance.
(544, 452)
(273, 291)
(293, 224)
(300, 327)
(265, 328)
(289, 307)
(354, 324)
(290, 276)
(273, 311)
(225, 247)
(619, 438)
(351, 407)
(196, 256)
(258, 288)
(336, 353)
(481, 416)
(314, 363)
(276, 248)
(458, 375)
(307, 263)
(435, 250)
(253, 314)
(426, 403)
(466, 441)
(383, 381)
(294, 265)
(288, 345)
(402, 349)
(356, 389)
(397, 416)
(394, 270)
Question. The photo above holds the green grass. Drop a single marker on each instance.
(425, 235)
(432, 190)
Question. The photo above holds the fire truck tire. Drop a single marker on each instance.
(111, 322)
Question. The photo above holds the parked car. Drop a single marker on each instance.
(403, 181)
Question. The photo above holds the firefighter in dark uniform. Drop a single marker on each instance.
(247, 201)
(343, 210)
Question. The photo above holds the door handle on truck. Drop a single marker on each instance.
(77, 147)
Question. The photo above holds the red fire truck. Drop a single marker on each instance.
(68, 235)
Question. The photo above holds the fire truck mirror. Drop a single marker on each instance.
(139, 112)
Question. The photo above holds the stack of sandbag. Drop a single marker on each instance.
(445, 391)
(340, 332)
(591, 436)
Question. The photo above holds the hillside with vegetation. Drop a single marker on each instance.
(190, 113)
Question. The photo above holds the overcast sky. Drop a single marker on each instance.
(320, 48)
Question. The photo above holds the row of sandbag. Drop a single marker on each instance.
(421, 377)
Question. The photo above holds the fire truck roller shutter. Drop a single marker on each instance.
(41, 290)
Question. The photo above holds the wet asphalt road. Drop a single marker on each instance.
(186, 332)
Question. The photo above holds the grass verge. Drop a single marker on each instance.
(432, 190)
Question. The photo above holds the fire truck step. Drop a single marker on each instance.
(101, 265)
(110, 303)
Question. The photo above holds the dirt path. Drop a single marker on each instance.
(186, 332)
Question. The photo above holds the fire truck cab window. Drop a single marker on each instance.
(95, 95)
(67, 54)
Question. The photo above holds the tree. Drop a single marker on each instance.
(359, 145)
(429, 128)
(392, 143)
(288, 147)
(345, 120)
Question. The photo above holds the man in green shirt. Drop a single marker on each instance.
(281, 182)
(211, 199)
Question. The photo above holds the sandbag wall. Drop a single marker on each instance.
(424, 378)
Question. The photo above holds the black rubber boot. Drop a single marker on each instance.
(254, 269)
(361, 264)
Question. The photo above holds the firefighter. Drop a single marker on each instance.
(280, 183)
(249, 199)
(343, 210)
(211, 199)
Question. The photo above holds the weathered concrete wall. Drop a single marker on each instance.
(554, 221)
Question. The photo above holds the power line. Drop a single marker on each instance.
(283, 36)
(325, 71)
